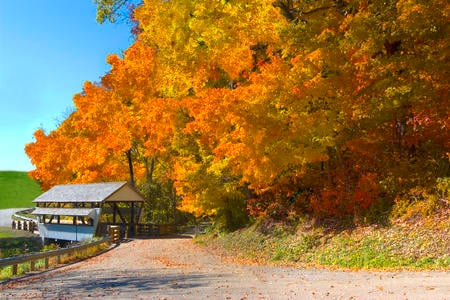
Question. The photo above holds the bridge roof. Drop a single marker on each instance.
(64, 211)
(91, 192)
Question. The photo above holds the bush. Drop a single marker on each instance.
(422, 202)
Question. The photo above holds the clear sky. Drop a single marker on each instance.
(48, 48)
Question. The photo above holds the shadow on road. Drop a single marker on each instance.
(164, 237)
(80, 284)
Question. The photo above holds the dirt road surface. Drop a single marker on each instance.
(176, 268)
(5, 216)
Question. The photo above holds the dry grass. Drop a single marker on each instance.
(415, 244)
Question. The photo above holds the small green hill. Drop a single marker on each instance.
(17, 189)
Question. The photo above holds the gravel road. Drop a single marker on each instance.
(176, 268)
(5, 216)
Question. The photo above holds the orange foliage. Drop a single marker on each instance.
(245, 99)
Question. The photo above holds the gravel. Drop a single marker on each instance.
(176, 268)
(5, 216)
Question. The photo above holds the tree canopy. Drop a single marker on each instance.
(250, 107)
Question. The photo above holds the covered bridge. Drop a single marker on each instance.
(75, 212)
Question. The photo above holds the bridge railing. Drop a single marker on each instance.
(30, 260)
(138, 230)
(26, 225)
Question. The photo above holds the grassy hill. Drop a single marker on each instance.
(417, 242)
(17, 189)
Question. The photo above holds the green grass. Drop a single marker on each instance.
(17, 189)
(419, 245)
(8, 232)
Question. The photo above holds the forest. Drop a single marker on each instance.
(236, 109)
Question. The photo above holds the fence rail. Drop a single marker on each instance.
(114, 236)
(154, 230)
(139, 230)
(34, 257)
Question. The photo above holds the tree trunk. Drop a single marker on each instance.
(149, 167)
(130, 165)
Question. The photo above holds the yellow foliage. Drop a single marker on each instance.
(223, 95)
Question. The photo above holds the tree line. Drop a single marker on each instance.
(238, 108)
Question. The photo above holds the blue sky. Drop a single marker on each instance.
(48, 48)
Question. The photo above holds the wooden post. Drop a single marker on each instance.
(157, 230)
(132, 221)
(32, 265)
(114, 232)
(14, 269)
(114, 212)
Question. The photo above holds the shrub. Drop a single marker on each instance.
(421, 201)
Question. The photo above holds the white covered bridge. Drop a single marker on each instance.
(75, 212)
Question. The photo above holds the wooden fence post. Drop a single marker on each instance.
(114, 232)
(14, 269)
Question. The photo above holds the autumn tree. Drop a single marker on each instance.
(320, 99)
(326, 107)
(112, 10)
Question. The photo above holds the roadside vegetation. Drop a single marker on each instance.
(17, 242)
(57, 260)
(416, 244)
(413, 235)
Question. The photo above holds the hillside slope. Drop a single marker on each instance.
(17, 189)
(413, 243)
